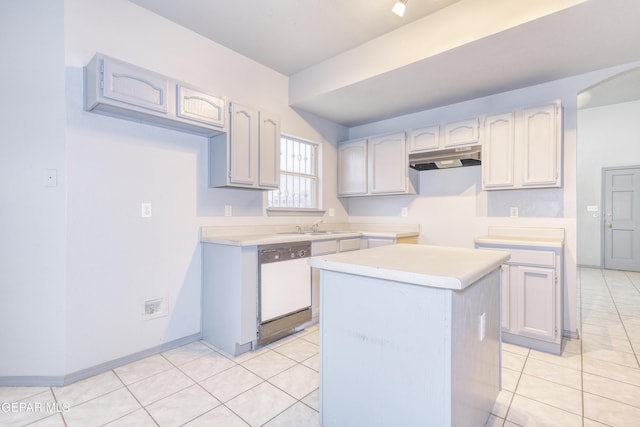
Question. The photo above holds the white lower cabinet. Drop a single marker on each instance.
(532, 304)
(374, 242)
(535, 297)
(230, 296)
(326, 247)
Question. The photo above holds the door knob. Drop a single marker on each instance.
(609, 225)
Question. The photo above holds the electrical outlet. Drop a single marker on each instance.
(158, 307)
(513, 212)
(332, 212)
(145, 210)
(483, 317)
(404, 211)
(592, 208)
(228, 210)
(51, 178)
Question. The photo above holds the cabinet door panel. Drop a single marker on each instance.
(269, 151)
(352, 168)
(497, 152)
(244, 145)
(388, 164)
(424, 139)
(459, 133)
(536, 302)
(540, 144)
(135, 86)
(199, 106)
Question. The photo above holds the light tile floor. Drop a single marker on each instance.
(595, 382)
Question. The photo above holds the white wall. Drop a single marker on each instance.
(32, 216)
(608, 137)
(77, 259)
(117, 260)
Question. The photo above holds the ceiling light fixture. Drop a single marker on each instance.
(399, 7)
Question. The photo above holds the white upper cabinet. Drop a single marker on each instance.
(352, 168)
(497, 151)
(248, 156)
(200, 107)
(424, 139)
(461, 133)
(119, 89)
(269, 150)
(541, 135)
(436, 137)
(134, 86)
(375, 166)
(388, 163)
(523, 149)
(243, 146)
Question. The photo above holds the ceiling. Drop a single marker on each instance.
(290, 35)
(354, 62)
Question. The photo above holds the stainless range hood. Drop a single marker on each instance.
(448, 158)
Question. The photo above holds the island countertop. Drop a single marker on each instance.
(423, 265)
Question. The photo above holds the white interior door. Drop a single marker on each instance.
(621, 188)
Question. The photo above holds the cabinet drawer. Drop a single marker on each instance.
(541, 258)
(527, 257)
(324, 247)
(346, 245)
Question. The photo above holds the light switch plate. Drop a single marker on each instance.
(145, 210)
(51, 178)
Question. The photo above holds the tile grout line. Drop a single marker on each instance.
(606, 282)
(144, 408)
(580, 298)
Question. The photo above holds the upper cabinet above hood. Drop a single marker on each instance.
(469, 155)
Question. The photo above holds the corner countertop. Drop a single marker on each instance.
(264, 235)
(523, 236)
(423, 265)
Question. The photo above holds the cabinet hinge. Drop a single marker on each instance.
(556, 332)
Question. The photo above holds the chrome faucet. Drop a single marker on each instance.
(313, 228)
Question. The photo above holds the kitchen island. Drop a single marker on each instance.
(410, 336)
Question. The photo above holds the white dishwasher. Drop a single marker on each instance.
(284, 289)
